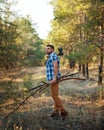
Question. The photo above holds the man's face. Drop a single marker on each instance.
(49, 50)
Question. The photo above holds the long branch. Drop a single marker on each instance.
(24, 101)
(63, 76)
(41, 88)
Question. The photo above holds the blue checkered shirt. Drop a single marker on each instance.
(49, 66)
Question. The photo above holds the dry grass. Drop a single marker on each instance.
(85, 111)
(33, 115)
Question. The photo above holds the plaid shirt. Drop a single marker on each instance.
(49, 66)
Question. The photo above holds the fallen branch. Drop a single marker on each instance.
(63, 77)
(41, 87)
(26, 99)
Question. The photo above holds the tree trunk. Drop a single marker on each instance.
(87, 71)
(83, 69)
(100, 68)
(79, 68)
(101, 50)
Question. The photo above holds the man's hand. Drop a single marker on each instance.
(53, 81)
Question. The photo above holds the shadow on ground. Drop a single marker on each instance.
(34, 115)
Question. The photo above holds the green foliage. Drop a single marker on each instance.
(74, 56)
(84, 54)
(32, 54)
(35, 54)
(8, 49)
(20, 44)
(76, 28)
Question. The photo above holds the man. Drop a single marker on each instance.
(52, 73)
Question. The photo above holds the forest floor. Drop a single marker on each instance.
(81, 98)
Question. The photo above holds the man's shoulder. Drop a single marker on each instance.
(53, 54)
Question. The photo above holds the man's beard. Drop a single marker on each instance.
(49, 53)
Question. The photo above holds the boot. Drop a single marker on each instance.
(55, 115)
(64, 114)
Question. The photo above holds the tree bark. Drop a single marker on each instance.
(83, 69)
(100, 68)
(87, 71)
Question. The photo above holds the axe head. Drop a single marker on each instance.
(60, 51)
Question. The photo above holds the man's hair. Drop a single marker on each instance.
(51, 46)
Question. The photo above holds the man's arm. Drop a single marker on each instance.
(55, 65)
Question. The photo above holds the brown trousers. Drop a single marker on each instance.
(58, 107)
